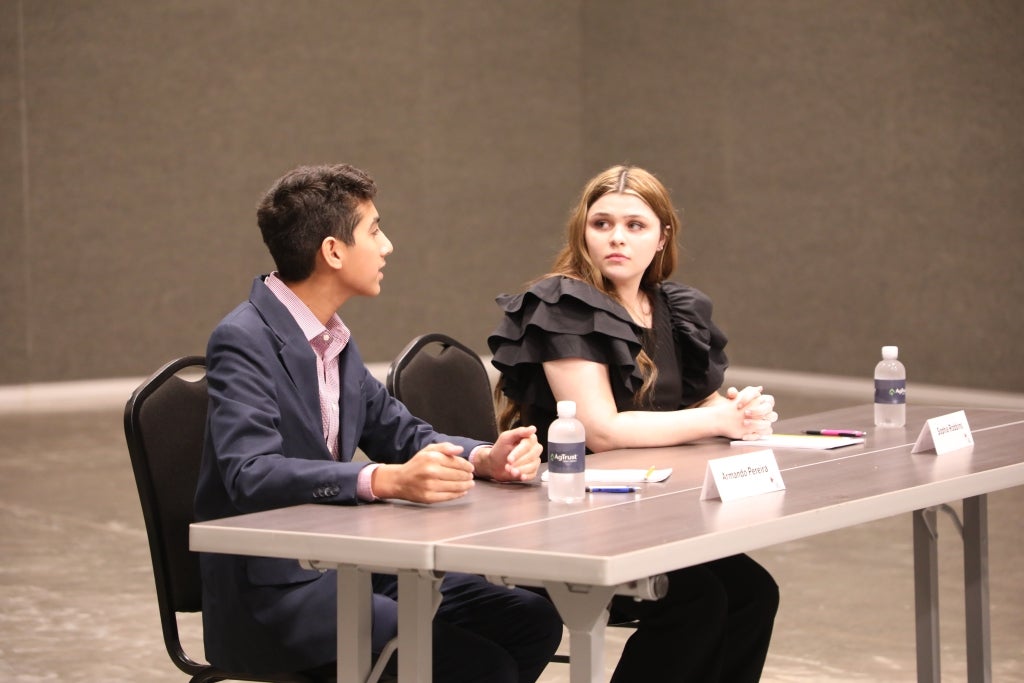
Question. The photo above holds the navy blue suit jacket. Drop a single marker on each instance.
(265, 449)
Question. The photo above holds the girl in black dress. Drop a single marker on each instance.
(644, 363)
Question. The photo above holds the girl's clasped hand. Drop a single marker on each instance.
(756, 413)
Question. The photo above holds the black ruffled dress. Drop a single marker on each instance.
(560, 317)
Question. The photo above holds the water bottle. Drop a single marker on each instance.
(890, 390)
(567, 446)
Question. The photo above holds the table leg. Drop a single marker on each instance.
(418, 598)
(355, 621)
(584, 611)
(926, 596)
(976, 598)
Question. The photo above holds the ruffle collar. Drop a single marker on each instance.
(563, 317)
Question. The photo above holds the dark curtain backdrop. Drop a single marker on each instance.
(850, 173)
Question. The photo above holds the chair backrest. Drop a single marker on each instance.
(164, 425)
(445, 383)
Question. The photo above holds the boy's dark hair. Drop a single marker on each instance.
(306, 206)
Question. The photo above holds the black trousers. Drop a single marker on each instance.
(715, 624)
(482, 633)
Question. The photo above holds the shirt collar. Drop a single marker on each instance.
(310, 325)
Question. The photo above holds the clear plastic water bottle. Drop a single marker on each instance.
(567, 446)
(890, 390)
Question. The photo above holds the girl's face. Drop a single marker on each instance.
(622, 236)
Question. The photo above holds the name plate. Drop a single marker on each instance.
(945, 433)
(740, 476)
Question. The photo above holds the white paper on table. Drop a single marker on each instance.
(812, 441)
(622, 476)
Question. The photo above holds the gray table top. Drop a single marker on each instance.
(513, 530)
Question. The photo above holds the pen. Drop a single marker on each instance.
(650, 471)
(835, 432)
(612, 489)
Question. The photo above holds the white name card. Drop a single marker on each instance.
(945, 433)
(739, 476)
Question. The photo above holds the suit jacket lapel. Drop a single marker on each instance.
(294, 351)
(350, 428)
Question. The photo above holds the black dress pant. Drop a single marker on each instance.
(714, 624)
(482, 632)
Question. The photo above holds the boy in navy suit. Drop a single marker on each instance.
(290, 402)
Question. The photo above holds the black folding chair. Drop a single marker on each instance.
(164, 424)
(444, 383)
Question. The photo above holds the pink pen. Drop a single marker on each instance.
(835, 432)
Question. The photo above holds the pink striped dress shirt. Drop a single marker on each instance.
(327, 343)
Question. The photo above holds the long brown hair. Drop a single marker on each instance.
(574, 260)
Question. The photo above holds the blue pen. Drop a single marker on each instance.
(612, 489)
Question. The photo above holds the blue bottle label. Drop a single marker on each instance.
(892, 391)
(566, 458)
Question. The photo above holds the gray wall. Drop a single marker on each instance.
(850, 173)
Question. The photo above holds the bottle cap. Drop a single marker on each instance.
(890, 352)
(567, 409)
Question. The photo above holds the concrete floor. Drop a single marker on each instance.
(77, 602)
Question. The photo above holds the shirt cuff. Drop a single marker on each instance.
(364, 490)
(475, 453)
